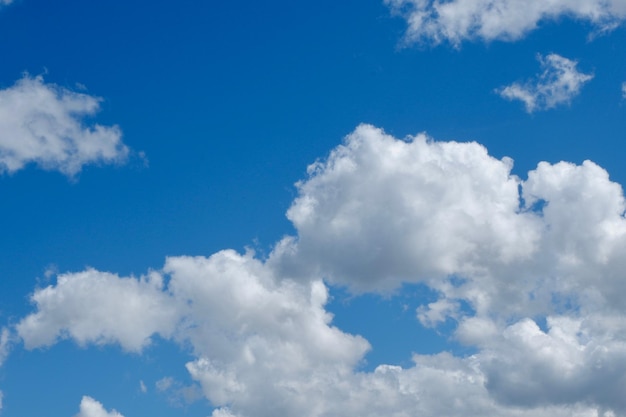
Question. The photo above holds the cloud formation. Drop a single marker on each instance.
(558, 84)
(624, 90)
(454, 21)
(44, 124)
(530, 270)
(71, 308)
(92, 408)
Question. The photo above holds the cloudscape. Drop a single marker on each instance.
(391, 207)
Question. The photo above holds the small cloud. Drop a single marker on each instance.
(51, 271)
(178, 394)
(142, 387)
(132, 323)
(437, 312)
(92, 408)
(43, 124)
(6, 340)
(164, 383)
(624, 89)
(558, 84)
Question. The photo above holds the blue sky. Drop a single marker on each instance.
(312, 209)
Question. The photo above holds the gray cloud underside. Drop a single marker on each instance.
(538, 263)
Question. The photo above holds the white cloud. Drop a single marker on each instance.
(436, 313)
(455, 21)
(92, 408)
(5, 344)
(98, 307)
(6, 340)
(178, 394)
(381, 211)
(44, 124)
(530, 270)
(164, 383)
(5, 2)
(558, 84)
(624, 90)
(142, 387)
(222, 412)
(570, 362)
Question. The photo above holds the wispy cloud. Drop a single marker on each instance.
(43, 124)
(558, 84)
(624, 89)
(458, 20)
(5, 343)
(379, 212)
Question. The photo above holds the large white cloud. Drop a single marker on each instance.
(44, 124)
(381, 211)
(531, 270)
(435, 21)
(265, 347)
(558, 84)
(92, 408)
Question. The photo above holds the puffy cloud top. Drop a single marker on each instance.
(43, 124)
(92, 408)
(381, 211)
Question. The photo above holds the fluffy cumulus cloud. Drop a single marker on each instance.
(381, 211)
(454, 21)
(44, 124)
(92, 408)
(530, 270)
(126, 310)
(558, 84)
